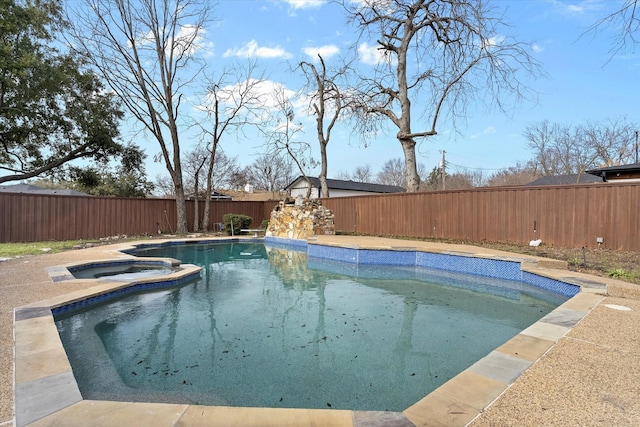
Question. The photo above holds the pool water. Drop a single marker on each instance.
(121, 271)
(266, 327)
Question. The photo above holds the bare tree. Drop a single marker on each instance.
(361, 173)
(163, 186)
(514, 175)
(625, 23)
(568, 150)
(233, 101)
(393, 173)
(271, 173)
(541, 140)
(344, 175)
(145, 51)
(325, 99)
(460, 180)
(464, 179)
(194, 162)
(614, 141)
(440, 52)
(283, 133)
(227, 172)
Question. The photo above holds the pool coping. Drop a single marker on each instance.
(41, 366)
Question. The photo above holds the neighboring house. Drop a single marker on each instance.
(32, 189)
(215, 195)
(626, 173)
(255, 195)
(338, 188)
(583, 178)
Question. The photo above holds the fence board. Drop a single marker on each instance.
(562, 216)
(36, 217)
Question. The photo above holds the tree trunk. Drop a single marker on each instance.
(181, 206)
(196, 188)
(181, 211)
(323, 171)
(412, 177)
(207, 201)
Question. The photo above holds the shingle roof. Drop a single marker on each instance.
(337, 184)
(32, 189)
(621, 168)
(583, 178)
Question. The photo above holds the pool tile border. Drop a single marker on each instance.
(459, 262)
(457, 402)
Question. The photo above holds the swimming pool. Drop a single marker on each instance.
(321, 309)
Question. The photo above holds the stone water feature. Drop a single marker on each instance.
(300, 219)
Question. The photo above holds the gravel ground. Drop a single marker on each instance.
(15, 292)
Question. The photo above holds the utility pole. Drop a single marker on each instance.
(636, 146)
(443, 169)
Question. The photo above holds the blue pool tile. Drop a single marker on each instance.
(137, 287)
(279, 242)
(368, 256)
(334, 253)
(553, 285)
(509, 270)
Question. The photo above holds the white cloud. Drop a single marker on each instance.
(326, 51)
(577, 7)
(252, 50)
(537, 48)
(380, 4)
(493, 41)
(303, 4)
(371, 55)
(266, 95)
(188, 41)
(489, 130)
(268, 91)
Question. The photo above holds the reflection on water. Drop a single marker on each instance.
(266, 328)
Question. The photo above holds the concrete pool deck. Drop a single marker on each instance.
(577, 366)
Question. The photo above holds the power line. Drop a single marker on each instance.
(468, 167)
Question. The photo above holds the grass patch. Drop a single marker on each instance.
(12, 250)
(622, 274)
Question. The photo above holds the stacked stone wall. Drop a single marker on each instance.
(300, 219)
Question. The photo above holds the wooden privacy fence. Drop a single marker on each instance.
(561, 216)
(35, 217)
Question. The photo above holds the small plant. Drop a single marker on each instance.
(620, 273)
(575, 261)
(237, 221)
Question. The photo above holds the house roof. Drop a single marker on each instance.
(256, 195)
(215, 195)
(583, 178)
(633, 167)
(337, 184)
(32, 189)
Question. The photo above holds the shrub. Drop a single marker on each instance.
(239, 222)
(620, 273)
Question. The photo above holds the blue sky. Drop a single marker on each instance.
(583, 83)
